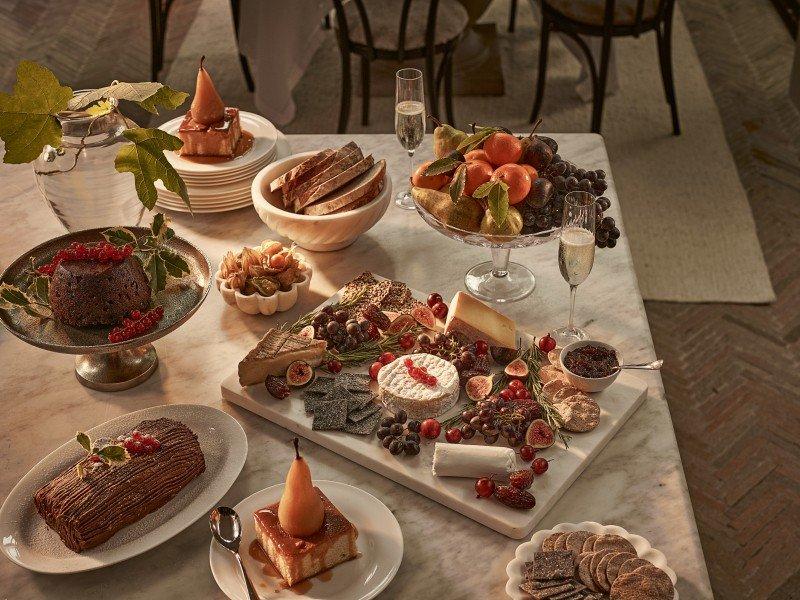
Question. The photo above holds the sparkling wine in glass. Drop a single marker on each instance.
(409, 121)
(575, 255)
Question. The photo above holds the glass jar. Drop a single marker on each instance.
(78, 181)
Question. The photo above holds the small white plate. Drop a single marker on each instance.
(29, 542)
(525, 553)
(265, 137)
(202, 211)
(380, 548)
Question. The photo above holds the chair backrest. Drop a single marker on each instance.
(344, 30)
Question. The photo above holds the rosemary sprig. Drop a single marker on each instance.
(370, 350)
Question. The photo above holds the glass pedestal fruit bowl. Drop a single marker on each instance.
(101, 364)
(497, 280)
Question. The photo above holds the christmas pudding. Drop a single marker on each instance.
(86, 292)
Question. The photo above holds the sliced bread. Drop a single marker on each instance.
(344, 158)
(334, 183)
(360, 191)
(306, 168)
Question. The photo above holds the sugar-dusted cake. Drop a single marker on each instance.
(209, 127)
(85, 293)
(304, 533)
(89, 502)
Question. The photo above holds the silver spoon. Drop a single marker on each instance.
(651, 366)
(227, 529)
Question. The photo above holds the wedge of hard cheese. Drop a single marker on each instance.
(346, 157)
(308, 168)
(476, 321)
(275, 352)
(358, 192)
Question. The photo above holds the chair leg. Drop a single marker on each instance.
(156, 42)
(544, 38)
(430, 84)
(664, 42)
(600, 88)
(344, 108)
(448, 87)
(512, 16)
(365, 90)
(248, 76)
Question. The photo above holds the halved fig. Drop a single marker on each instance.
(299, 373)
(307, 332)
(401, 323)
(517, 368)
(424, 316)
(540, 434)
(502, 356)
(478, 387)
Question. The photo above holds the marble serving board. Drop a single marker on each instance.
(617, 404)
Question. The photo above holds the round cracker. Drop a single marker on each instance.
(588, 545)
(584, 574)
(561, 542)
(582, 416)
(631, 565)
(550, 540)
(554, 356)
(551, 387)
(640, 586)
(564, 393)
(612, 568)
(659, 580)
(575, 542)
(597, 556)
(612, 541)
(549, 373)
(600, 571)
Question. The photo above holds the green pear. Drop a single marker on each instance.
(446, 138)
(465, 215)
(510, 227)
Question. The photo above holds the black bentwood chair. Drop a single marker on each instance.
(399, 30)
(159, 15)
(617, 18)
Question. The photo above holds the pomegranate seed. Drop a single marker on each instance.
(136, 315)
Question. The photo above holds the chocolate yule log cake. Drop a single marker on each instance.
(85, 293)
(91, 501)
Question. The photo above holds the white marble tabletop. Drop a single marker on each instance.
(637, 481)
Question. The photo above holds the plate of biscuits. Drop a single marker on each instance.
(589, 561)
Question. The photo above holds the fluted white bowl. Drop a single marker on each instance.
(253, 304)
(322, 233)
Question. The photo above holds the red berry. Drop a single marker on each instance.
(507, 394)
(334, 366)
(527, 452)
(373, 370)
(136, 446)
(94, 458)
(136, 315)
(484, 487)
(481, 348)
(431, 380)
(522, 394)
(430, 428)
(539, 465)
(406, 341)
(515, 384)
(439, 310)
(136, 435)
(386, 358)
(546, 343)
(155, 444)
(453, 436)
(408, 363)
(434, 299)
(374, 333)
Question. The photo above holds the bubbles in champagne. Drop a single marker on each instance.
(409, 123)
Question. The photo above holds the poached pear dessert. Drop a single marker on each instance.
(209, 127)
(304, 533)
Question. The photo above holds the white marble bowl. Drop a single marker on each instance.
(525, 553)
(588, 384)
(253, 304)
(323, 233)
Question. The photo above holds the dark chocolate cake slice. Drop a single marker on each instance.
(86, 511)
(85, 293)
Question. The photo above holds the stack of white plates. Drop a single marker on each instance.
(220, 186)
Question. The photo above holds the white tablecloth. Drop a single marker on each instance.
(279, 37)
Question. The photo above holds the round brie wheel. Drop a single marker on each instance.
(400, 391)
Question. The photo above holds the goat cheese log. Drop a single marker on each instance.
(85, 512)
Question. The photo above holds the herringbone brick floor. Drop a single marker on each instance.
(732, 372)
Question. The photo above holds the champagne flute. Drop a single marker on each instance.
(409, 121)
(575, 255)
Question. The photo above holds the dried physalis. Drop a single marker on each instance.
(264, 270)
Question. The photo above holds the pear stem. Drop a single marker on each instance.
(296, 442)
(535, 127)
(202, 60)
(435, 120)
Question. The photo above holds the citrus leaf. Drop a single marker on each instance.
(483, 189)
(119, 236)
(84, 441)
(498, 205)
(145, 159)
(156, 272)
(443, 165)
(459, 182)
(174, 263)
(476, 139)
(27, 117)
(147, 94)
